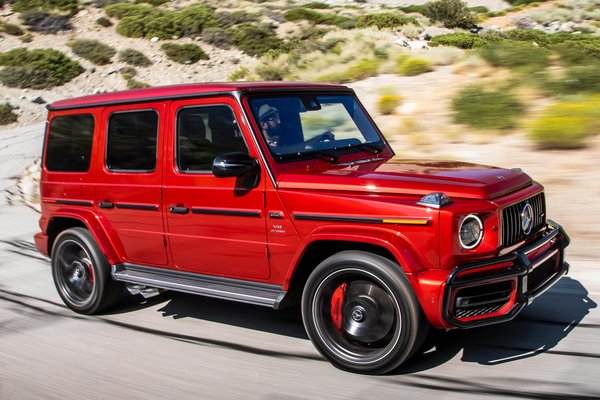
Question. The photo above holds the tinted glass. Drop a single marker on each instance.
(70, 143)
(132, 141)
(295, 124)
(204, 133)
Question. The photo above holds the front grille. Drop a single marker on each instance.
(541, 274)
(480, 300)
(475, 312)
(511, 219)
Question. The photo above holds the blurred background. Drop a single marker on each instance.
(512, 83)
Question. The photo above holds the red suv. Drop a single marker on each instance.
(280, 193)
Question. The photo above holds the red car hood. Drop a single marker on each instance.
(456, 179)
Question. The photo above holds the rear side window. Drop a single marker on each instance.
(69, 146)
(132, 141)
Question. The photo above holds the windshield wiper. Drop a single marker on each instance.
(320, 154)
(370, 147)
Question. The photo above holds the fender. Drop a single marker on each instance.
(110, 248)
(393, 241)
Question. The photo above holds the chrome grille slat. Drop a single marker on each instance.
(511, 219)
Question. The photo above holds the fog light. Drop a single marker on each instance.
(470, 232)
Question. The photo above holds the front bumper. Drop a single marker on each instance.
(496, 290)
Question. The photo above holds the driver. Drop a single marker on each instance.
(270, 124)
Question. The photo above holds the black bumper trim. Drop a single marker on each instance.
(520, 269)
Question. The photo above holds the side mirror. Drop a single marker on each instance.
(234, 165)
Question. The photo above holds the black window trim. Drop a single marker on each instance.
(47, 139)
(132, 171)
(176, 146)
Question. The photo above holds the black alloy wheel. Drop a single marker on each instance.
(81, 273)
(360, 312)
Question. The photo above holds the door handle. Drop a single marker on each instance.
(106, 204)
(178, 210)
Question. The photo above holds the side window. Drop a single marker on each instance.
(204, 133)
(69, 146)
(132, 141)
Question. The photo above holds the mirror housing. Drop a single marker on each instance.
(234, 165)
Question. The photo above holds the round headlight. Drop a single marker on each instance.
(470, 232)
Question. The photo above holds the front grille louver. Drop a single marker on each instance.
(511, 219)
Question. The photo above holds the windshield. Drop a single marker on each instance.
(296, 126)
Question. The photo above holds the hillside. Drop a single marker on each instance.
(522, 92)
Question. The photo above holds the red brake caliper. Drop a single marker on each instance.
(337, 301)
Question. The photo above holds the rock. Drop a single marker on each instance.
(402, 42)
(37, 100)
(112, 71)
(7, 13)
(198, 38)
(425, 36)
(174, 37)
(154, 39)
(525, 23)
(188, 62)
(91, 70)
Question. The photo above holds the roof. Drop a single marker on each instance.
(180, 91)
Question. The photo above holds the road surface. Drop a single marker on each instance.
(181, 346)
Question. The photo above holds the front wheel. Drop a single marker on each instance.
(81, 273)
(360, 312)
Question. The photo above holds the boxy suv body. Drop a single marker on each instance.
(279, 193)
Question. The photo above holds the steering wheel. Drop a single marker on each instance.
(326, 136)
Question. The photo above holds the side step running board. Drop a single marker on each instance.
(221, 288)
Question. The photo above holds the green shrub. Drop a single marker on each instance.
(122, 10)
(452, 13)
(516, 54)
(37, 69)
(238, 75)
(385, 20)
(131, 27)
(298, 14)
(128, 72)
(317, 5)
(487, 109)
(70, 6)
(93, 50)
(414, 66)
(582, 78)
(255, 40)
(140, 20)
(153, 2)
(270, 73)
(463, 40)
(43, 22)
(134, 84)
(229, 19)
(524, 2)
(412, 9)
(360, 70)
(134, 57)
(566, 125)
(479, 9)
(387, 103)
(103, 21)
(11, 29)
(184, 53)
(7, 116)
(218, 37)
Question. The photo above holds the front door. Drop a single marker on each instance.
(215, 226)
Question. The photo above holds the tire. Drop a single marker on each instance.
(360, 312)
(81, 273)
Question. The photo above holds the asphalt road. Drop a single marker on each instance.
(180, 346)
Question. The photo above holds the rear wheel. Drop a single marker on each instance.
(81, 273)
(360, 312)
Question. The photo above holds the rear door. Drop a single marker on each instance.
(215, 226)
(128, 195)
